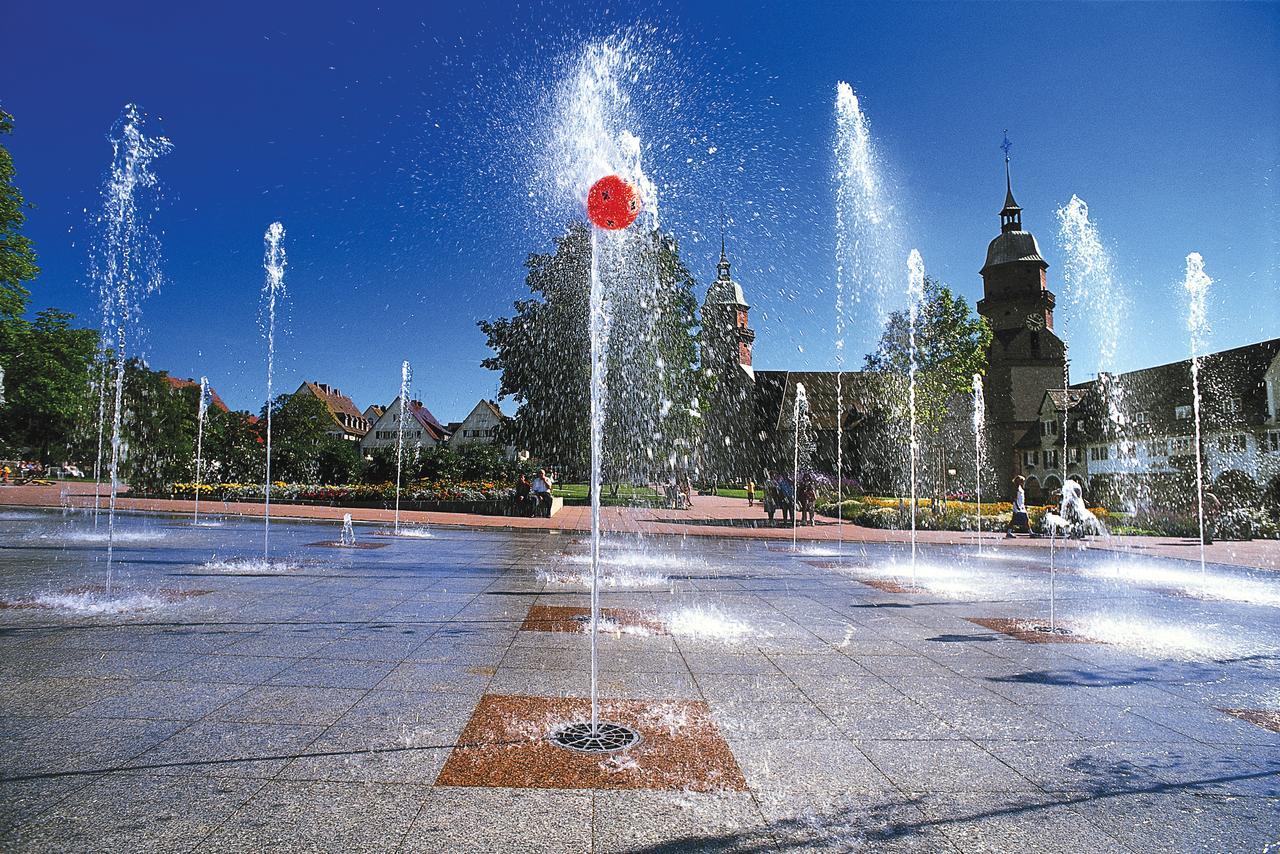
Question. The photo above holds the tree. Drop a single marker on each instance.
(158, 426)
(951, 346)
(17, 255)
(298, 433)
(544, 354)
(47, 366)
(233, 447)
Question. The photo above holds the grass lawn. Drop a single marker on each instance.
(578, 493)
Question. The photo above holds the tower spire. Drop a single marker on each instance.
(723, 267)
(1011, 215)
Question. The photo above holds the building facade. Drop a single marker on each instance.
(482, 426)
(346, 419)
(1146, 450)
(421, 429)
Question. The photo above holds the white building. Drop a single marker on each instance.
(421, 429)
(483, 425)
(1152, 442)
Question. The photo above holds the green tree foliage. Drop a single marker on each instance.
(47, 371)
(233, 447)
(543, 353)
(338, 461)
(158, 428)
(298, 425)
(17, 255)
(951, 346)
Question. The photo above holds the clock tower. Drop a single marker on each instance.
(1026, 355)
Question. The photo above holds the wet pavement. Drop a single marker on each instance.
(214, 701)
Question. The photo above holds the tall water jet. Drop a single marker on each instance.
(406, 376)
(127, 266)
(590, 140)
(273, 291)
(866, 241)
(979, 431)
(799, 420)
(1197, 284)
(202, 407)
(915, 297)
(1089, 283)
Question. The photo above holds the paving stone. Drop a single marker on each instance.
(483, 820)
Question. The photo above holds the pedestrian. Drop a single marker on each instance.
(1212, 510)
(770, 495)
(787, 498)
(807, 498)
(1020, 520)
(751, 492)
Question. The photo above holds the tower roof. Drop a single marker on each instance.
(1012, 245)
(724, 290)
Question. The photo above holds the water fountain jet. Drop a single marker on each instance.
(202, 407)
(273, 290)
(127, 268)
(1197, 284)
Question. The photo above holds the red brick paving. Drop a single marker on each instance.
(709, 517)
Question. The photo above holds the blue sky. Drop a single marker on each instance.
(389, 141)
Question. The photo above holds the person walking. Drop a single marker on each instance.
(751, 492)
(1212, 510)
(1020, 520)
(807, 498)
(787, 498)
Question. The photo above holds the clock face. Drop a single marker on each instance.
(1035, 321)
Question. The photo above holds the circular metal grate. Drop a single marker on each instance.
(1059, 630)
(607, 737)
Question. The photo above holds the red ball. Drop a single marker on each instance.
(612, 203)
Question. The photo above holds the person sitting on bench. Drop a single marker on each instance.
(542, 491)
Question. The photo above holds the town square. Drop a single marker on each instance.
(663, 428)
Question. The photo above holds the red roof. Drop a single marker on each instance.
(429, 423)
(175, 384)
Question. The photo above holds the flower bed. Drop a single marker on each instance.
(894, 513)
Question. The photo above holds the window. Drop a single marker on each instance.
(1232, 406)
(1182, 412)
(1181, 445)
(1051, 458)
(1143, 417)
(1156, 448)
(1231, 443)
(1271, 443)
(1073, 455)
(1031, 459)
(1100, 452)
(1048, 428)
(1127, 450)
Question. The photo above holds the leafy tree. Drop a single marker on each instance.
(158, 428)
(17, 255)
(233, 447)
(298, 425)
(47, 367)
(338, 460)
(544, 355)
(951, 346)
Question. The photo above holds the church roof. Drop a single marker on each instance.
(1011, 247)
(726, 292)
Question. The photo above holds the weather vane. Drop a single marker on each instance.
(1006, 145)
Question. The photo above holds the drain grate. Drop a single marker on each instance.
(606, 737)
(1046, 630)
